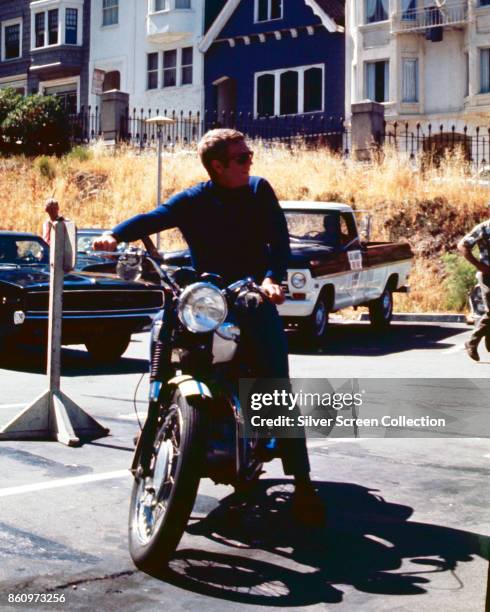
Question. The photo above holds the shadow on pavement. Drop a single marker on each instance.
(74, 362)
(364, 545)
(361, 340)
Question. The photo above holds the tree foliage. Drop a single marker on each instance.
(32, 125)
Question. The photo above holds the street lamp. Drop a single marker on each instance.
(159, 121)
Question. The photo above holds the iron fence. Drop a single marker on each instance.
(436, 141)
(187, 128)
(420, 140)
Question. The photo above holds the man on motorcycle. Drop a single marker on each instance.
(235, 227)
(479, 235)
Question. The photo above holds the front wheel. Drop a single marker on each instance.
(161, 501)
(381, 310)
(316, 325)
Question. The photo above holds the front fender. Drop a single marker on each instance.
(189, 386)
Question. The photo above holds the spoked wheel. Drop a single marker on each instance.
(162, 501)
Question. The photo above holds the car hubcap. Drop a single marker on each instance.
(386, 305)
(320, 319)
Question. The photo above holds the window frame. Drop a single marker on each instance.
(482, 50)
(376, 61)
(66, 9)
(416, 61)
(178, 68)
(269, 11)
(44, 7)
(300, 94)
(365, 20)
(170, 6)
(107, 9)
(6, 24)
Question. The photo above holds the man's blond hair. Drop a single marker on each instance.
(214, 145)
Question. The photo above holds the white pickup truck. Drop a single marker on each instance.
(332, 268)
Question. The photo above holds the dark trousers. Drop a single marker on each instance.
(483, 327)
(264, 342)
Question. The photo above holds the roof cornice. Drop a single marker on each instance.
(229, 8)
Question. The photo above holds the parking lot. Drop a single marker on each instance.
(407, 518)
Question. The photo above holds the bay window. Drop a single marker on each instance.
(56, 22)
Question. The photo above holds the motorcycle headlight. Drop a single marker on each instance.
(202, 307)
(298, 280)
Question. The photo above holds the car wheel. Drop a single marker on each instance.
(107, 349)
(381, 310)
(316, 326)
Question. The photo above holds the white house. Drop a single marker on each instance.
(425, 60)
(148, 48)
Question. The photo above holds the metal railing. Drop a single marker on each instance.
(454, 12)
(436, 141)
(188, 128)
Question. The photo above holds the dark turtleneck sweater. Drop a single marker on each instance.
(231, 232)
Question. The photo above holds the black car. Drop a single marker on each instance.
(99, 310)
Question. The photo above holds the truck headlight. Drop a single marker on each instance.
(298, 280)
(202, 307)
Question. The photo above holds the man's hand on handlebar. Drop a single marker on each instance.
(106, 242)
(273, 291)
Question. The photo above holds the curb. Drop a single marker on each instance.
(428, 317)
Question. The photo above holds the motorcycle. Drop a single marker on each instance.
(195, 426)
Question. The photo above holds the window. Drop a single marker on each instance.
(466, 74)
(409, 8)
(56, 26)
(165, 5)
(170, 68)
(376, 10)
(265, 95)
(267, 10)
(110, 12)
(71, 22)
(410, 68)
(485, 71)
(11, 37)
(186, 68)
(377, 81)
(289, 92)
(39, 25)
(484, 2)
(313, 85)
(152, 68)
(176, 68)
(53, 27)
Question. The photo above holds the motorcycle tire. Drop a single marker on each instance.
(152, 545)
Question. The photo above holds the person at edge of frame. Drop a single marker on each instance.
(479, 235)
(234, 227)
(52, 207)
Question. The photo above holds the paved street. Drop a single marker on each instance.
(408, 518)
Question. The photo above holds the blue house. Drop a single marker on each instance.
(272, 66)
(44, 47)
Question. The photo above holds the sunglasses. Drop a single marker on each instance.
(242, 158)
